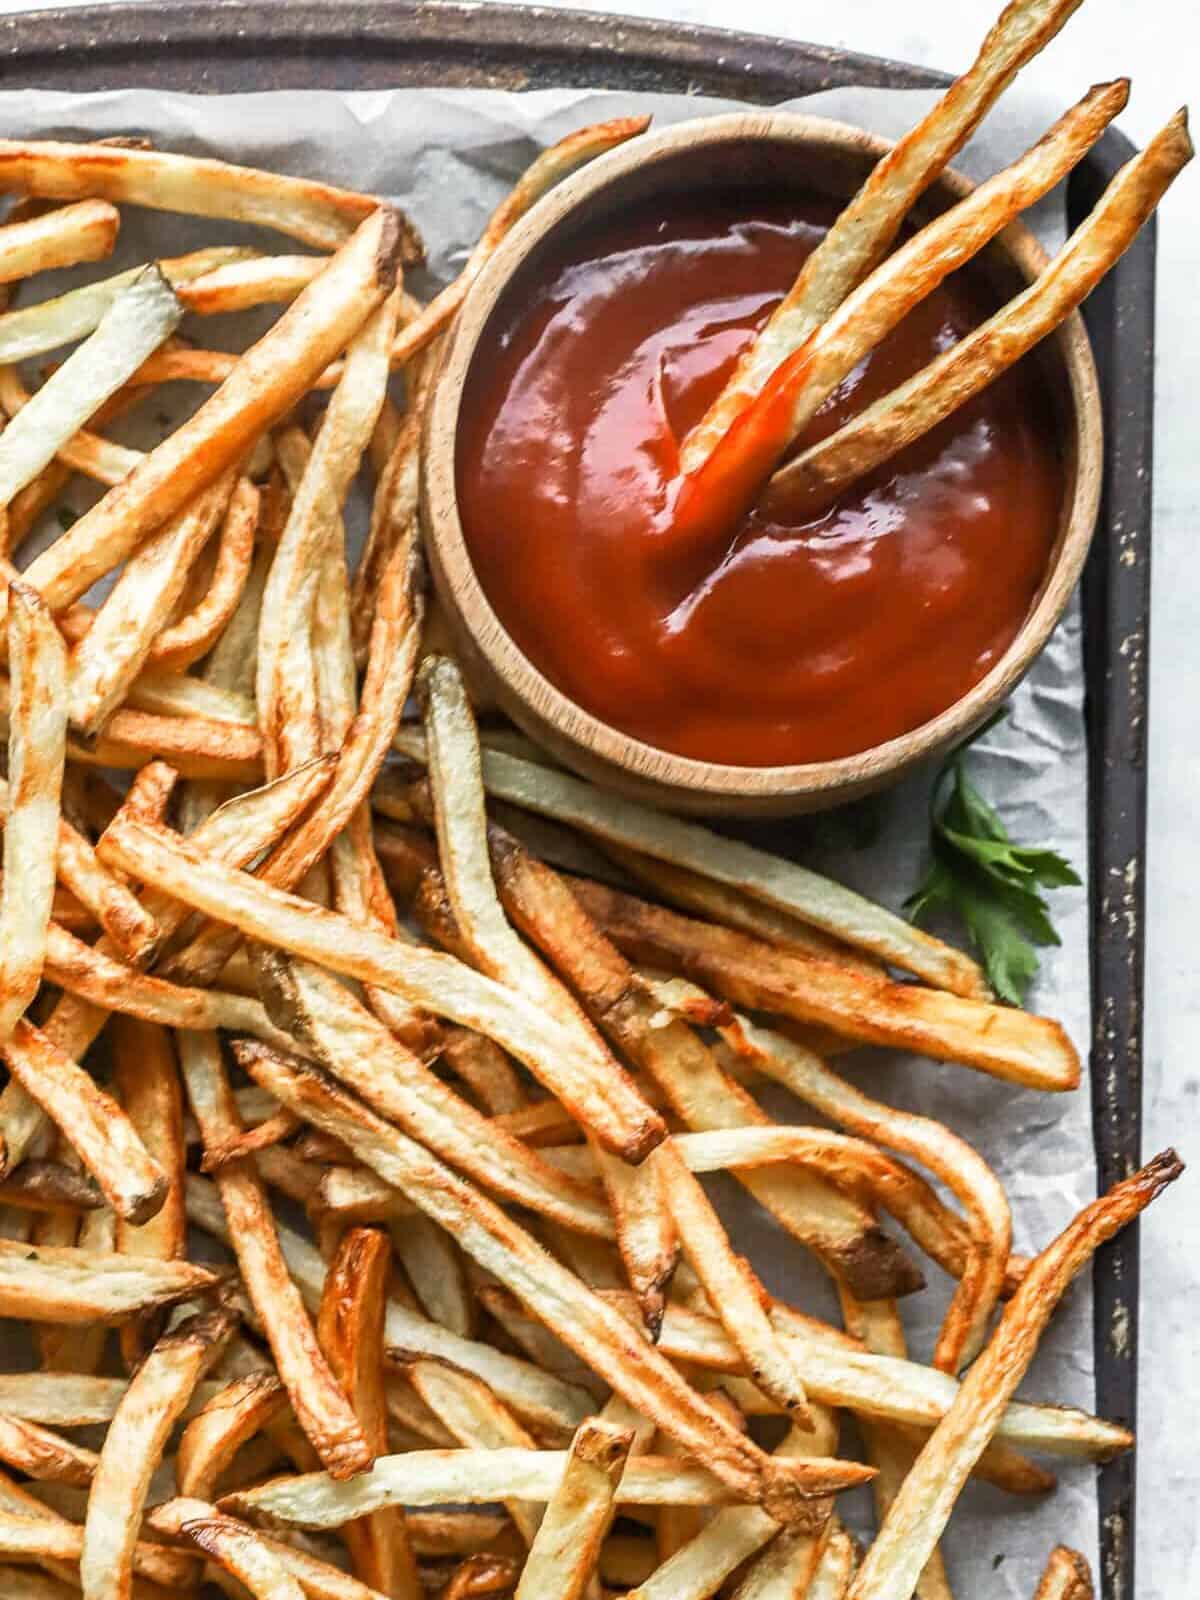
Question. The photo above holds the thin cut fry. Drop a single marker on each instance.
(265, 383)
(79, 1287)
(321, 1407)
(317, 213)
(60, 238)
(563, 1556)
(733, 475)
(43, 1455)
(1067, 1577)
(194, 634)
(141, 316)
(921, 1509)
(579, 1317)
(106, 661)
(912, 409)
(816, 900)
(133, 1447)
(350, 1328)
(217, 1432)
(870, 222)
(36, 755)
(238, 285)
(239, 1550)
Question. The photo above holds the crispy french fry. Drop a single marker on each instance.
(67, 1399)
(78, 1286)
(60, 238)
(996, 1039)
(565, 1552)
(107, 660)
(36, 753)
(264, 384)
(350, 1328)
(236, 1548)
(912, 409)
(195, 633)
(914, 1523)
(217, 1432)
(783, 884)
(155, 1400)
(870, 222)
(40, 1454)
(733, 474)
(238, 285)
(320, 1406)
(1067, 1577)
(578, 1316)
(32, 1538)
(317, 213)
(831, 1581)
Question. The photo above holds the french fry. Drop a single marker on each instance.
(320, 1406)
(237, 1549)
(350, 1329)
(360, 1052)
(66, 1399)
(49, 1186)
(21, 1583)
(436, 1272)
(566, 1549)
(831, 1581)
(729, 1281)
(42, 1455)
(317, 213)
(194, 634)
(238, 285)
(950, 1159)
(217, 1432)
(806, 895)
(60, 238)
(82, 450)
(914, 1523)
(785, 1568)
(142, 315)
(1067, 1577)
(580, 1318)
(912, 409)
(550, 167)
(35, 1538)
(702, 1095)
(733, 474)
(484, 1069)
(36, 754)
(78, 1286)
(107, 660)
(393, 516)
(156, 1398)
(870, 222)
(483, 1574)
(999, 1040)
(19, 1500)
(30, 331)
(265, 383)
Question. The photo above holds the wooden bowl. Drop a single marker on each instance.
(745, 148)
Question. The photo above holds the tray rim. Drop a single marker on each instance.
(526, 46)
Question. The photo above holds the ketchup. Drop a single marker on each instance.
(781, 643)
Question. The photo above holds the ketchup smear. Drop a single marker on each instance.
(784, 643)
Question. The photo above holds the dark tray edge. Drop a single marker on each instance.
(231, 45)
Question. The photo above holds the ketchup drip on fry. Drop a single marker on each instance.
(677, 610)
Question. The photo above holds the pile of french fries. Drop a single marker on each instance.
(361, 1070)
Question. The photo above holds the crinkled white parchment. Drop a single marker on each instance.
(448, 157)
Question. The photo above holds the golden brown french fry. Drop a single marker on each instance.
(482, 1574)
(436, 1272)
(50, 1186)
(237, 1549)
(79, 1287)
(912, 409)
(735, 471)
(21, 1501)
(317, 213)
(870, 222)
(238, 285)
(565, 1552)
(484, 1069)
(43, 1455)
(213, 1437)
(548, 169)
(996, 1039)
(36, 755)
(922, 1507)
(60, 238)
(579, 1317)
(1067, 1577)
(831, 1581)
(729, 1281)
(156, 1398)
(194, 634)
(320, 1406)
(350, 1328)
(107, 660)
(33, 1538)
(266, 382)
(780, 883)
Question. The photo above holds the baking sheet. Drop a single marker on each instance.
(448, 157)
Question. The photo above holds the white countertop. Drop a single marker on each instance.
(1156, 45)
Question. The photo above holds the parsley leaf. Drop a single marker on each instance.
(992, 884)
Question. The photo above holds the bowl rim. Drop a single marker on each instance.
(599, 742)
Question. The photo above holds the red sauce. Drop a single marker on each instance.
(784, 643)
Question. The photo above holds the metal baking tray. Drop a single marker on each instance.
(236, 45)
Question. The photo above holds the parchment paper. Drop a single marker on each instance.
(448, 157)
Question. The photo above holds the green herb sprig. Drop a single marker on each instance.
(991, 883)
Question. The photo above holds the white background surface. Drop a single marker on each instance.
(1156, 43)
